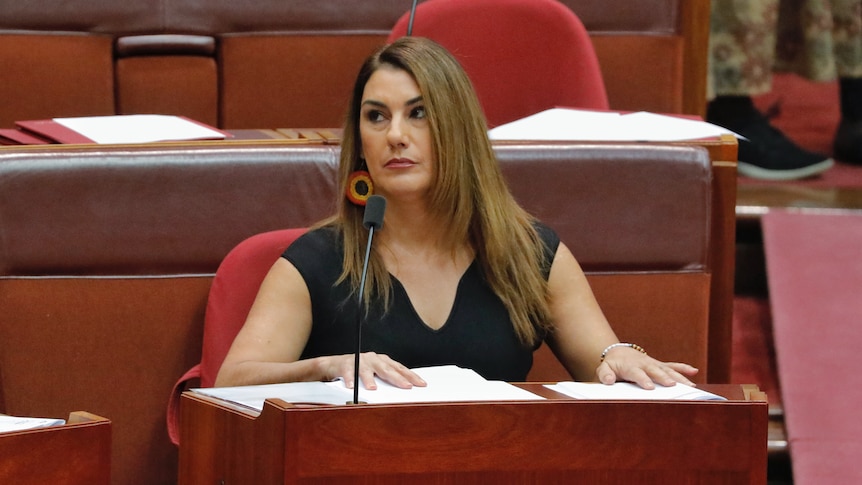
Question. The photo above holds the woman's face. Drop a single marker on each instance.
(395, 136)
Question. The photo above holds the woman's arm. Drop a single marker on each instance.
(270, 342)
(267, 348)
(581, 332)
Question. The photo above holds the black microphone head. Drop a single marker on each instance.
(375, 206)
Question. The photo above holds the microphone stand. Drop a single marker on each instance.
(375, 207)
(410, 23)
(359, 317)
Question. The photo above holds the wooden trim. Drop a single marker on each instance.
(694, 25)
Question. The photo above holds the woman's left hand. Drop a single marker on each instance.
(628, 364)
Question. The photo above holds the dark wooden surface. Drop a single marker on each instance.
(77, 453)
(559, 440)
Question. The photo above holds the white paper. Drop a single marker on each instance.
(138, 128)
(562, 124)
(629, 391)
(293, 392)
(444, 384)
(19, 423)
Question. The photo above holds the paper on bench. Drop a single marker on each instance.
(143, 128)
(19, 423)
(563, 124)
(629, 391)
(445, 384)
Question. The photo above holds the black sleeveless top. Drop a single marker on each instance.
(477, 335)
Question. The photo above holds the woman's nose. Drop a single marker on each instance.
(397, 134)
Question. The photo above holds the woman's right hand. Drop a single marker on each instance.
(371, 364)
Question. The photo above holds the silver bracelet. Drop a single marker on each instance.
(621, 344)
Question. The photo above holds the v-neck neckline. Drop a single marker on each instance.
(453, 308)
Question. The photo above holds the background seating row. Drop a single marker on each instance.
(290, 63)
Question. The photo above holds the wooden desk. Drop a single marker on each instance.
(559, 440)
(723, 153)
(77, 453)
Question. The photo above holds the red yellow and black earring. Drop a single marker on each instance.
(359, 187)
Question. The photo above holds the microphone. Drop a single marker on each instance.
(375, 206)
(410, 23)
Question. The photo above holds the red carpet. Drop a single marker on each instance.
(814, 269)
(753, 360)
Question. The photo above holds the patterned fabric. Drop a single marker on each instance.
(750, 39)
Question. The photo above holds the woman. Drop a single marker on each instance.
(460, 274)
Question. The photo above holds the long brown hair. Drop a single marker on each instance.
(469, 192)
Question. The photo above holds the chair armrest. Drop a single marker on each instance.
(174, 403)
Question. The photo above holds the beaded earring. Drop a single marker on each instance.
(359, 187)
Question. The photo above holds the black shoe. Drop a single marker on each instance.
(765, 153)
(848, 142)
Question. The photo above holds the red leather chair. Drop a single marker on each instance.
(523, 56)
(231, 295)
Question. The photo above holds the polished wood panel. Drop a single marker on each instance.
(723, 153)
(559, 440)
(694, 23)
(77, 453)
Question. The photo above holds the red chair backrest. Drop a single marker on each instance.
(523, 56)
(234, 288)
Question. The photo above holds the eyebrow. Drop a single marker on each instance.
(379, 104)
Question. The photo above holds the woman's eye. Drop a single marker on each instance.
(418, 113)
(374, 116)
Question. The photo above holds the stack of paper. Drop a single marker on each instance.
(562, 124)
(19, 423)
(629, 391)
(445, 384)
(114, 129)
